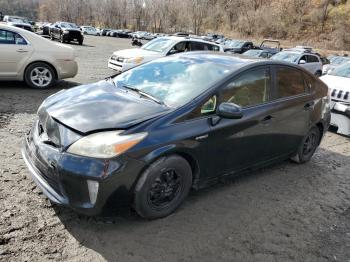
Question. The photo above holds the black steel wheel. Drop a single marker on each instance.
(308, 146)
(162, 187)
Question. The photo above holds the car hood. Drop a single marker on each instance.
(337, 82)
(134, 52)
(99, 106)
(71, 29)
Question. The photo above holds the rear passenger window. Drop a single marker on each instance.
(312, 59)
(290, 82)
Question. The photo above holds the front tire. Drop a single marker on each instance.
(308, 146)
(318, 74)
(39, 75)
(162, 187)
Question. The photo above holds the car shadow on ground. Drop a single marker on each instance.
(17, 97)
(250, 210)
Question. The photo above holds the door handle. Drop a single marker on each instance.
(267, 119)
(22, 51)
(309, 105)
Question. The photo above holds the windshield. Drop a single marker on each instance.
(69, 25)
(159, 45)
(343, 70)
(286, 56)
(174, 82)
(235, 44)
(340, 60)
(253, 53)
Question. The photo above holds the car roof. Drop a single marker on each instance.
(182, 38)
(234, 61)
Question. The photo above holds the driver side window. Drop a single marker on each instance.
(249, 89)
(178, 48)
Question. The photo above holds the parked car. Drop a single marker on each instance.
(152, 133)
(17, 21)
(271, 46)
(310, 61)
(66, 32)
(212, 37)
(148, 36)
(46, 28)
(104, 32)
(258, 53)
(338, 81)
(335, 62)
(88, 30)
(163, 46)
(26, 56)
(238, 47)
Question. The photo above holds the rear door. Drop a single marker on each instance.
(14, 54)
(314, 63)
(292, 103)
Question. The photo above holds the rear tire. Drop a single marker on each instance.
(39, 75)
(308, 146)
(162, 187)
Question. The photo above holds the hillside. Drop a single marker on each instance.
(323, 23)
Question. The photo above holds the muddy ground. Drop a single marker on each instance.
(287, 212)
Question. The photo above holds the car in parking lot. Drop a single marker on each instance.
(338, 81)
(302, 57)
(163, 46)
(238, 46)
(258, 53)
(26, 56)
(335, 62)
(66, 32)
(88, 30)
(185, 121)
(17, 21)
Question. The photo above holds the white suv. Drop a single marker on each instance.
(338, 81)
(310, 61)
(163, 46)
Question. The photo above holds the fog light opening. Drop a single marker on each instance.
(93, 190)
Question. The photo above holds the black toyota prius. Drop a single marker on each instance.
(152, 133)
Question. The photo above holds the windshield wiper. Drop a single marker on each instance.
(142, 93)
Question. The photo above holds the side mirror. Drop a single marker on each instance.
(173, 51)
(229, 110)
(302, 62)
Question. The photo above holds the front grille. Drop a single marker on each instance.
(117, 58)
(74, 34)
(340, 95)
(43, 164)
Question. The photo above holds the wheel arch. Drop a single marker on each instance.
(41, 61)
(170, 150)
(321, 128)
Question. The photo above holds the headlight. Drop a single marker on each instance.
(65, 32)
(105, 144)
(134, 60)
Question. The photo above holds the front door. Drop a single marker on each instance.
(238, 143)
(14, 53)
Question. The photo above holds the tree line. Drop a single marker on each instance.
(324, 21)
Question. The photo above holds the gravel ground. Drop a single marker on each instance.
(287, 212)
